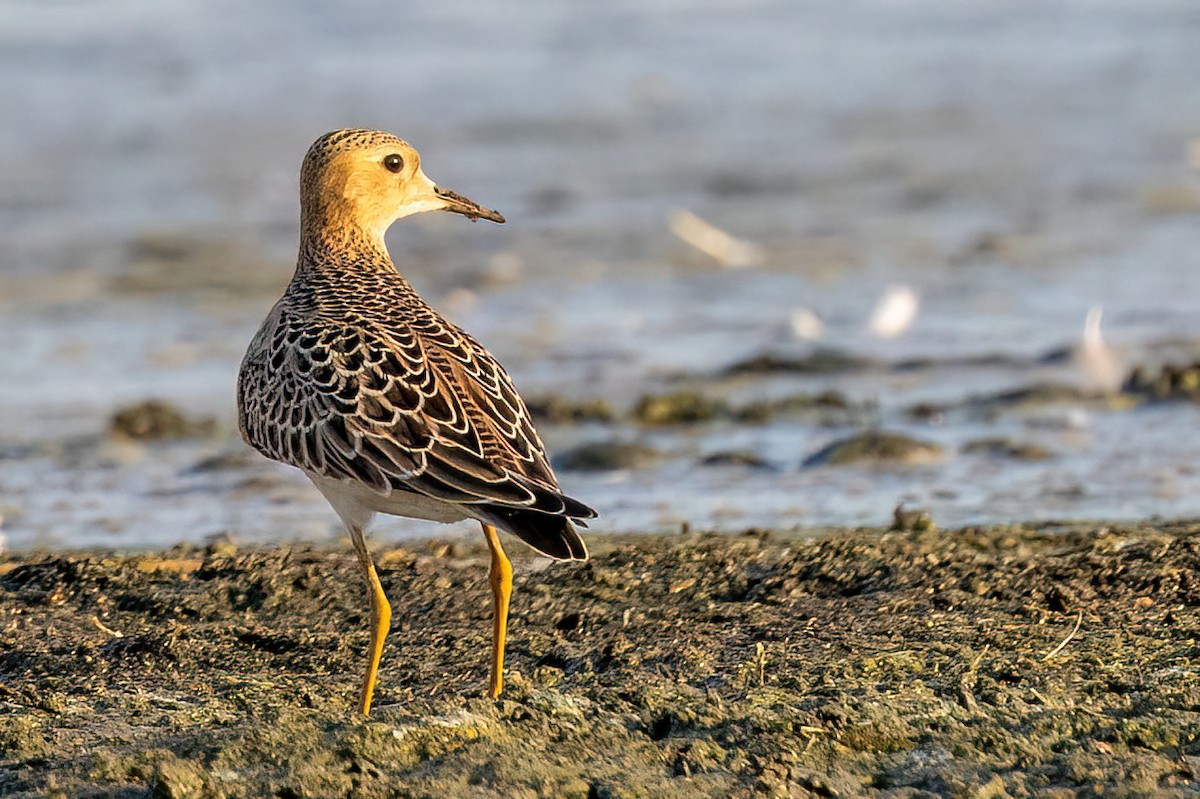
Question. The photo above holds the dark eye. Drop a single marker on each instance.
(393, 162)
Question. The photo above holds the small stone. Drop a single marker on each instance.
(157, 420)
(556, 409)
(876, 446)
(600, 456)
(736, 457)
(680, 407)
(1000, 447)
(818, 362)
(918, 520)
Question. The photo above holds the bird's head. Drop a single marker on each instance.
(369, 179)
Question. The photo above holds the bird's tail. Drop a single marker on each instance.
(549, 533)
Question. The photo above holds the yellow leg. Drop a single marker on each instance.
(381, 619)
(500, 576)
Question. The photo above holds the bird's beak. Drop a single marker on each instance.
(458, 204)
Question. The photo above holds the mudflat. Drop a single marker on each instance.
(1051, 661)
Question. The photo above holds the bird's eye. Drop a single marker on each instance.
(393, 162)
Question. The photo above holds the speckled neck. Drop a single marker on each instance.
(336, 244)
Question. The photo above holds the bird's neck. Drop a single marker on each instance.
(337, 243)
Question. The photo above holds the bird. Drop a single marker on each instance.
(384, 404)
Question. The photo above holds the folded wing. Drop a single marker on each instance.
(422, 408)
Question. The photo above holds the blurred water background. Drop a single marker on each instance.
(998, 168)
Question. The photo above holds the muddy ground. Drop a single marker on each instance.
(1050, 662)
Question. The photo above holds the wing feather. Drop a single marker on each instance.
(421, 407)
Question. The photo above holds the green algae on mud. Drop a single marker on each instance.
(980, 662)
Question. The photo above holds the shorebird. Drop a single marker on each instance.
(386, 406)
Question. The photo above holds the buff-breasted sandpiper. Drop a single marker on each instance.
(385, 405)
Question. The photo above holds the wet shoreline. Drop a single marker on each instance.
(1041, 660)
(1003, 176)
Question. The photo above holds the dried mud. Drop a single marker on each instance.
(1052, 662)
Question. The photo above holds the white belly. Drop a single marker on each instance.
(356, 503)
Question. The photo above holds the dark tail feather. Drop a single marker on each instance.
(548, 533)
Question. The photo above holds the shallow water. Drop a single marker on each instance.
(1014, 167)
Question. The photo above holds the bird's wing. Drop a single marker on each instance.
(499, 426)
(424, 409)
